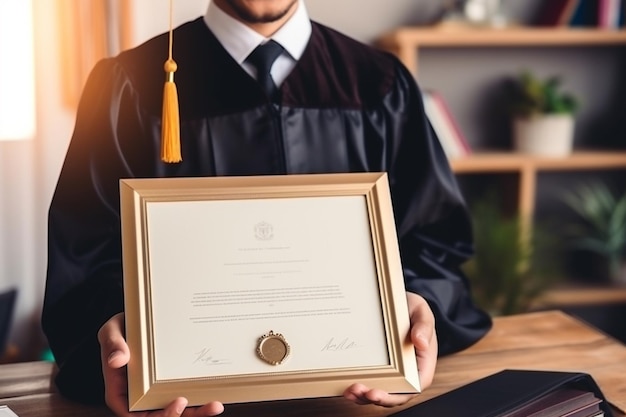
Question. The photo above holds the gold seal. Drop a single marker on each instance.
(273, 348)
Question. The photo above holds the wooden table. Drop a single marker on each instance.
(542, 341)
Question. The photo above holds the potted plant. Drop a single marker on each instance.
(512, 267)
(603, 230)
(543, 116)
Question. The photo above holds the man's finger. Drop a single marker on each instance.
(423, 337)
(362, 395)
(422, 321)
(114, 356)
(211, 409)
(113, 347)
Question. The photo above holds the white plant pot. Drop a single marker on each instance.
(549, 135)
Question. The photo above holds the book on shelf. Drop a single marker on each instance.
(450, 136)
(557, 12)
(586, 14)
(604, 14)
(610, 14)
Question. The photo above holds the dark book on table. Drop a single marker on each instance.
(519, 393)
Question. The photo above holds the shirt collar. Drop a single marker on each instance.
(239, 40)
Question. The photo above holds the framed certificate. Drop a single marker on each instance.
(262, 288)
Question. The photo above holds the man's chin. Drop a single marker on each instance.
(261, 14)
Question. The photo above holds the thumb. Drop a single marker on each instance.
(113, 347)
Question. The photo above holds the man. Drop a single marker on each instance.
(339, 107)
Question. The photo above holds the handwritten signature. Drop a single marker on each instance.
(205, 357)
(334, 345)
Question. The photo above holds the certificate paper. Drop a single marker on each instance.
(221, 272)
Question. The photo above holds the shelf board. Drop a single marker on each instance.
(513, 162)
(482, 37)
(581, 296)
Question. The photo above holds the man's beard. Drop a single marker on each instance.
(248, 17)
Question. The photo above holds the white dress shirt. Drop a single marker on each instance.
(239, 40)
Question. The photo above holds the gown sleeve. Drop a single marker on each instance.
(433, 224)
(84, 279)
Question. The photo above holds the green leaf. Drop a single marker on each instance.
(534, 96)
(604, 217)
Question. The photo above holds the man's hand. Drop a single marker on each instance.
(115, 355)
(424, 339)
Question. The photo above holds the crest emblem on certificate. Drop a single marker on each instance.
(263, 231)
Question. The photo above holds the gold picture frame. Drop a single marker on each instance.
(259, 288)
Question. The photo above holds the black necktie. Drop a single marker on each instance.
(263, 58)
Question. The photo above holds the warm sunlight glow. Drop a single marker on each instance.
(17, 70)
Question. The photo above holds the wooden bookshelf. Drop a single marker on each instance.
(528, 168)
(405, 42)
(508, 161)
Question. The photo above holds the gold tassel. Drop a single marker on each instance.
(170, 127)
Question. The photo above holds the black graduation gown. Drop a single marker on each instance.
(344, 108)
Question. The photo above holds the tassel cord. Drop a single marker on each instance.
(170, 128)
